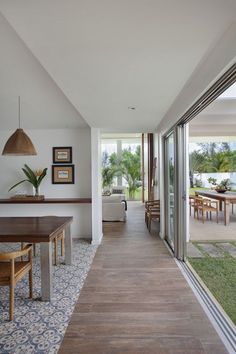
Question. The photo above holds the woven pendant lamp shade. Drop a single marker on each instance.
(19, 144)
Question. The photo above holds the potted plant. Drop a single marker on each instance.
(33, 177)
(223, 186)
(212, 181)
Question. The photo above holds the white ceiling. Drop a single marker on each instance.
(108, 55)
(218, 119)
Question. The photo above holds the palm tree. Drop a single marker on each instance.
(129, 167)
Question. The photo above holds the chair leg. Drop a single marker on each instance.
(203, 217)
(149, 223)
(146, 219)
(63, 245)
(55, 251)
(34, 247)
(232, 208)
(217, 217)
(12, 289)
(22, 246)
(30, 284)
(11, 309)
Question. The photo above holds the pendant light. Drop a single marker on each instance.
(19, 144)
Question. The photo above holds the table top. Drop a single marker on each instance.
(231, 196)
(32, 229)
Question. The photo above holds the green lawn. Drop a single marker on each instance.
(192, 190)
(219, 275)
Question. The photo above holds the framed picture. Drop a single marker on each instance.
(63, 174)
(62, 154)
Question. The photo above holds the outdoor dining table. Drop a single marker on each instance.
(40, 230)
(224, 198)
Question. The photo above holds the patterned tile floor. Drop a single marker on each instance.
(39, 327)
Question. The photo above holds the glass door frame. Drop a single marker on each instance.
(181, 166)
(166, 188)
(180, 218)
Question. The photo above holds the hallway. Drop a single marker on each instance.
(135, 299)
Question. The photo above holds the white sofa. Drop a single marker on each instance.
(113, 208)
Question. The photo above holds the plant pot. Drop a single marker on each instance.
(221, 190)
(36, 191)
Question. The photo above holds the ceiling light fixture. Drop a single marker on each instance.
(19, 144)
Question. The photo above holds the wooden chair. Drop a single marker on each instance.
(191, 203)
(233, 202)
(59, 237)
(204, 205)
(11, 271)
(148, 204)
(153, 214)
(34, 248)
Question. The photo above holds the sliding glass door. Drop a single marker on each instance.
(170, 188)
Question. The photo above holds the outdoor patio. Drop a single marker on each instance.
(211, 231)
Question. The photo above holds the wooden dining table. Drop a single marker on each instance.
(224, 198)
(42, 230)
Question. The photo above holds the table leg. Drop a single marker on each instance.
(68, 245)
(46, 270)
(226, 211)
(220, 205)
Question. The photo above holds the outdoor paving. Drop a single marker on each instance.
(211, 231)
(219, 250)
(212, 250)
(228, 248)
(193, 251)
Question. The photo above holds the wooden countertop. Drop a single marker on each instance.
(46, 201)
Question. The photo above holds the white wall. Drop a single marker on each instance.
(96, 186)
(44, 140)
(219, 177)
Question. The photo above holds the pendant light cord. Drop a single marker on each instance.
(19, 111)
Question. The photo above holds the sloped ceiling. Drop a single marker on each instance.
(109, 55)
(43, 104)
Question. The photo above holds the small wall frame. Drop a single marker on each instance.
(63, 174)
(62, 154)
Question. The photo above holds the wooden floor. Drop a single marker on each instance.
(135, 300)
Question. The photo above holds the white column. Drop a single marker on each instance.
(119, 154)
(96, 186)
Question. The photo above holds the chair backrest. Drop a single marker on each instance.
(198, 201)
(152, 202)
(8, 256)
(118, 190)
